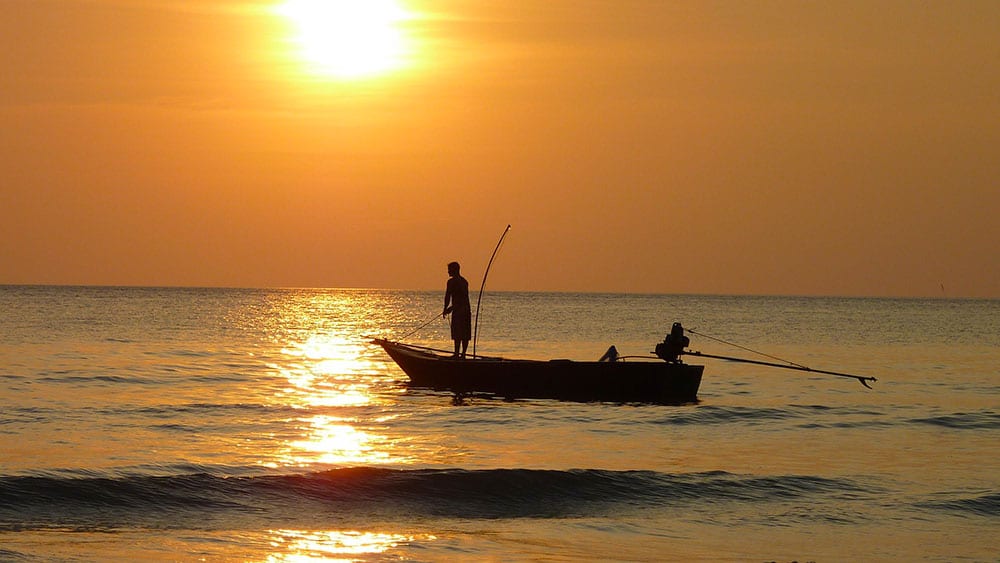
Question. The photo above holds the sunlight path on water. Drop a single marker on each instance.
(334, 546)
(335, 388)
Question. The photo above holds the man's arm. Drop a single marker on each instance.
(447, 300)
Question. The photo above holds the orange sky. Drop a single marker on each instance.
(768, 147)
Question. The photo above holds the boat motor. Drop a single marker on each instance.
(673, 345)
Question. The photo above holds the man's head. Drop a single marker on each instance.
(453, 268)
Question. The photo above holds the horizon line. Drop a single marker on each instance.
(544, 291)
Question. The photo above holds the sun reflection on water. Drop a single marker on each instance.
(330, 372)
(338, 392)
(333, 546)
(333, 441)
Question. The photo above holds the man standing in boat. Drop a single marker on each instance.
(457, 295)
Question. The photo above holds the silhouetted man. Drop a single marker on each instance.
(457, 295)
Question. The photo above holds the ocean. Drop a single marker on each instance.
(171, 424)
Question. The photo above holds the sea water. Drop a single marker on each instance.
(262, 425)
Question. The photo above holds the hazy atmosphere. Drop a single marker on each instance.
(773, 147)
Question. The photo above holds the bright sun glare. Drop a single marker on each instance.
(348, 38)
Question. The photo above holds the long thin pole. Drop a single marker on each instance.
(692, 331)
(475, 337)
(414, 331)
(863, 379)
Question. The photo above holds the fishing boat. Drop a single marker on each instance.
(662, 380)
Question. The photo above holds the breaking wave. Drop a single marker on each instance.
(380, 492)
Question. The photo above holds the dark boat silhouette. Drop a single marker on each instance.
(611, 379)
(663, 381)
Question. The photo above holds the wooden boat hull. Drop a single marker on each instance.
(640, 381)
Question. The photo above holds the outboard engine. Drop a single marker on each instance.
(673, 345)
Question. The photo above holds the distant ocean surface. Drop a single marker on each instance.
(260, 425)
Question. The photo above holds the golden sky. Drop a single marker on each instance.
(761, 147)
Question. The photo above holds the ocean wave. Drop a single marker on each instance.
(206, 408)
(963, 421)
(8, 555)
(374, 492)
(815, 416)
(811, 414)
(982, 505)
(23, 415)
(83, 378)
(709, 414)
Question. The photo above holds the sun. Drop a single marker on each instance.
(348, 39)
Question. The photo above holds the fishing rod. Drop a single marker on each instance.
(790, 364)
(693, 331)
(475, 336)
(861, 378)
(414, 331)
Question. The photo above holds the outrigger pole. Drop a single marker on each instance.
(479, 300)
(861, 378)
